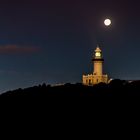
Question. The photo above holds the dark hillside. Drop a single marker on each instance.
(114, 88)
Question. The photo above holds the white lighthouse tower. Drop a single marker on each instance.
(97, 76)
(98, 62)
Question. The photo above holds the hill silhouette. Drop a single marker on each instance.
(114, 88)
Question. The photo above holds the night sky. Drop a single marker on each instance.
(52, 41)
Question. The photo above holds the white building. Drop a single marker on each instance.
(97, 76)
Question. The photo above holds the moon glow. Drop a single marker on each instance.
(107, 22)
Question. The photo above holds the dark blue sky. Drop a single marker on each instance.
(52, 41)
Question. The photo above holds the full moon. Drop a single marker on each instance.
(107, 22)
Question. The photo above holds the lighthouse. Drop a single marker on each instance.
(97, 76)
(98, 62)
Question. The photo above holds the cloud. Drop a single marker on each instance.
(17, 49)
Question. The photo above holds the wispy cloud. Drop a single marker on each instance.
(17, 49)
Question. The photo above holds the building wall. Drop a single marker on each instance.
(94, 79)
(98, 67)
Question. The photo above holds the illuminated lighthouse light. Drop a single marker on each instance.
(97, 54)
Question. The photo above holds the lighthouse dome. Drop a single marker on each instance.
(98, 49)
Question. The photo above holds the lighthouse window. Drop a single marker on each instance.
(98, 54)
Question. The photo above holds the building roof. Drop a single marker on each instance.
(98, 49)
